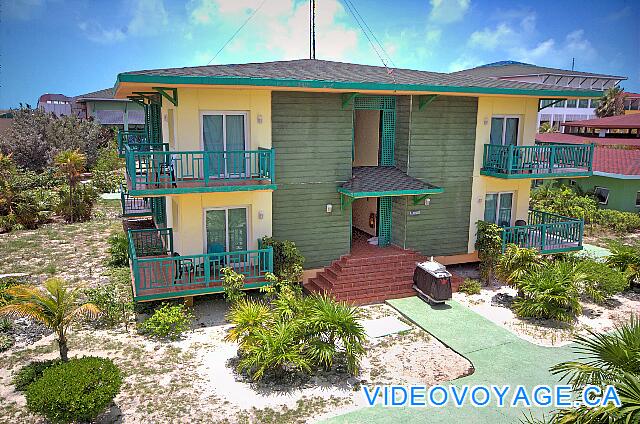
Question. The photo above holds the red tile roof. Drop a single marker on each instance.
(616, 161)
(620, 121)
(581, 139)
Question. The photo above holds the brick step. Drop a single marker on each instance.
(368, 276)
(374, 298)
(364, 269)
(373, 281)
(372, 291)
(391, 259)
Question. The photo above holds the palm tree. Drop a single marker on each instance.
(605, 359)
(611, 103)
(55, 305)
(546, 127)
(71, 164)
(515, 263)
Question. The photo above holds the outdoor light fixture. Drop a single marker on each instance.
(486, 121)
(427, 201)
(260, 214)
(259, 118)
(329, 207)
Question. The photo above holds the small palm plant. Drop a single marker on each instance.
(71, 164)
(611, 103)
(55, 305)
(605, 359)
(625, 258)
(515, 263)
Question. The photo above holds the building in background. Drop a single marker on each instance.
(631, 103)
(102, 107)
(552, 111)
(58, 104)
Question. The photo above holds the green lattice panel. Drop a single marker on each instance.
(388, 137)
(375, 102)
(159, 211)
(384, 232)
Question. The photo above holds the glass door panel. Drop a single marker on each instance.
(504, 210)
(213, 140)
(216, 231)
(237, 229)
(235, 136)
(511, 132)
(490, 207)
(497, 125)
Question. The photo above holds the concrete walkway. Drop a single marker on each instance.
(499, 358)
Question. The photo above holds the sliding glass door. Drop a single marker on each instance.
(498, 207)
(504, 130)
(226, 230)
(225, 133)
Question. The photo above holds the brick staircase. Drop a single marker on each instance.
(369, 279)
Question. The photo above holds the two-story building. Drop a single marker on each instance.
(366, 169)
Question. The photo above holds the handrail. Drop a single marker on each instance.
(561, 234)
(537, 160)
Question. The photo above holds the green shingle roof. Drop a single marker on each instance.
(375, 181)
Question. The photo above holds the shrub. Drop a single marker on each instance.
(233, 283)
(31, 372)
(6, 325)
(107, 174)
(113, 299)
(168, 322)
(118, 250)
(470, 286)
(78, 390)
(78, 210)
(625, 258)
(515, 263)
(620, 222)
(287, 259)
(489, 246)
(599, 281)
(6, 283)
(6, 342)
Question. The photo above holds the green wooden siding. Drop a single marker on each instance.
(312, 136)
(441, 152)
(622, 193)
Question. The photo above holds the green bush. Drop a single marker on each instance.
(232, 283)
(470, 286)
(550, 293)
(6, 342)
(489, 247)
(625, 258)
(287, 259)
(515, 263)
(118, 250)
(31, 372)
(5, 283)
(113, 299)
(79, 210)
(78, 390)
(599, 281)
(107, 174)
(620, 222)
(5, 325)
(168, 322)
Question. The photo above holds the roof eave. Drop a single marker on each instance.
(341, 85)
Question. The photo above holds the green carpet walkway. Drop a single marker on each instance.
(498, 356)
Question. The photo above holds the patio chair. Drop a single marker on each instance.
(182, 266)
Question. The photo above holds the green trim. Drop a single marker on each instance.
(192, 292)
(173, 98)
(550, 104)
(424, 101)
(341, 85)
(347, 98)
(419, 199)
(577, 174)
(207, 189)
(358, 194)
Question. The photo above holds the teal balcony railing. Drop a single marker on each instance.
(159, 273)
(134, 206)
(137, 140)
(554, 160)
(157, 172)
(546, 232)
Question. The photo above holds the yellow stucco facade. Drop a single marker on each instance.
(527, 110)
(182, 129)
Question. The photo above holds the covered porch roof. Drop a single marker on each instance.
(379, 181)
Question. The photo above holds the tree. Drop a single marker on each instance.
(55, 305)
(71, 163)
(546, 127)
(611, 103)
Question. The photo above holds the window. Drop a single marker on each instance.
(572, 183)
(583, 103)
(572, 103)
(504, 130)
(225, 131)
(638, 198)
(497, 208)
(226, 230)
(602, 194)
(595, 103)
(546, 103)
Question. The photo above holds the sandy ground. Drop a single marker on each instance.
(596, 317)
(190, 380)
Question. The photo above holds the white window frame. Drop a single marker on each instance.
(500, 193)
(225, 113)
(606, 200)
(504, 128)
(226, 223)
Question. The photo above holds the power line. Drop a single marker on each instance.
(372, 33)
(237, 31)
(365, 34)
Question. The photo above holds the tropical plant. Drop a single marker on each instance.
(470, 286)
(32, 372)
(168, 322)
(233, 284)
(625, 258)
(113, 299)
(6, 342)
(287, 259)
(605, 359)
(546, 127)
(71, 164)
(75, 391)
(76, 205)
(118, 250)
(611, 103)
(55, 305)
(550, 292)
(107, 174)
(600, 281)
(515, 263)
(489, 247)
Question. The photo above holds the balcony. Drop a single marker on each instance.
(549, 161)
(546, 232)
(156, 173)
(160, 273)
(134, 206)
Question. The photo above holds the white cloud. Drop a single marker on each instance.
(489, 38)
(448, 11)
(96, 33)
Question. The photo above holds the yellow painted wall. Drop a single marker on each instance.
(527, 110)
(187, 215)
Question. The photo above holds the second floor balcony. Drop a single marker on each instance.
(160, 172)
(547, 161)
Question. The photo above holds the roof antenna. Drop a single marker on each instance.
(312, 29)
(573, 63)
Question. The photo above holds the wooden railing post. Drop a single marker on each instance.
(552, 158)
(205, 165)
(510, 151)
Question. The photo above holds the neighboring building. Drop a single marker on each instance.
(631, 103)
(555, 111)
(616, 161)
(58, 104)
(104, 108)
(332, 155)
(612, 126)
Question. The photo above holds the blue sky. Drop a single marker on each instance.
(73, 47)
